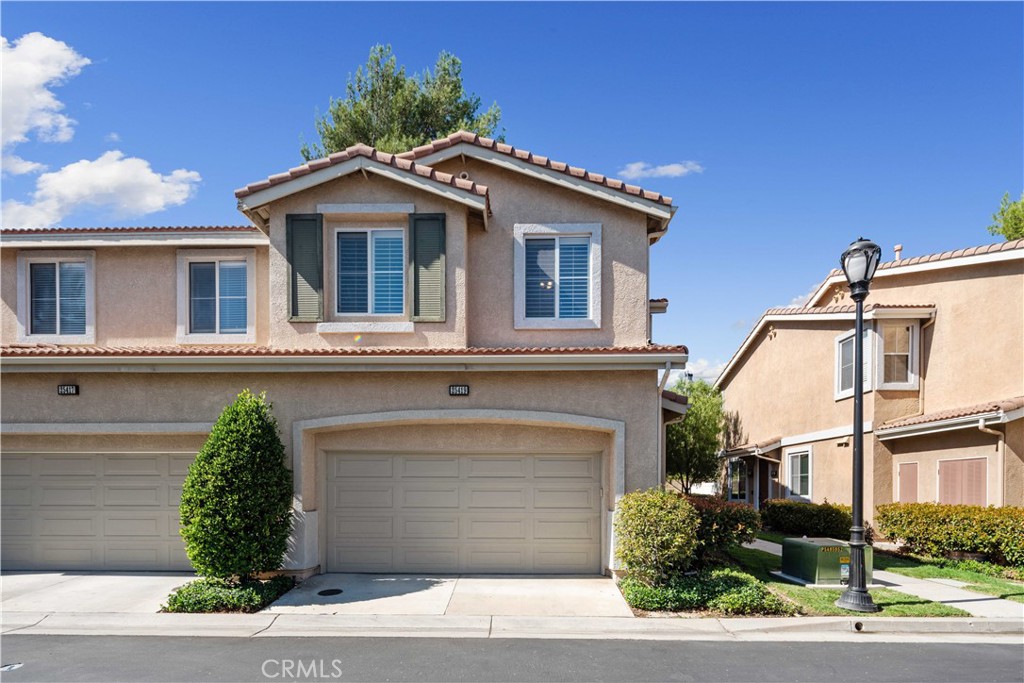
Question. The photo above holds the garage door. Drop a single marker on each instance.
(92, 511)
(507, 513)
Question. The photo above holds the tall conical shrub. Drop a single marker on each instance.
(237, 498)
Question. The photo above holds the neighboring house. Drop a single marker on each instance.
(943, 383)
(455, 340)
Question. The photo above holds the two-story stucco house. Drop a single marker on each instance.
(456, 342)
(943, 382)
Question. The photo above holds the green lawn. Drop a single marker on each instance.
(771, 536)
(820, 601)
(980, 583)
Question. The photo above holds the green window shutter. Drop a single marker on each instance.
(426, 231)
(305, 267)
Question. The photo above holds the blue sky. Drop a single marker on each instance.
(812, 123)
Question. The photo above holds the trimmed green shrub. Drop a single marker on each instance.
(939, 530)
(827, 520)
(722, 590)
(656, 534)
(723, 525)
(217, 595)
(236, 503)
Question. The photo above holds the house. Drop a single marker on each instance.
(455, 340)
(943, 387)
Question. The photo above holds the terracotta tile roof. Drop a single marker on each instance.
(845, 308)
(674, 397)
(1005, 405)
(132, 229)
(529, 157)
(361, 150)
(946, 255)
(52, 350)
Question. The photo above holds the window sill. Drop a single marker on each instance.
(369, 327)
(214, 339)
(57, 339)
(557, 324)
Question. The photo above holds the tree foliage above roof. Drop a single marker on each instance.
(1009, 220)
(394, 112)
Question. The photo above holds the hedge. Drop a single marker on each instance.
(826, 519)
(218, 595)
(656, 534)
(939, 530)
(721, 590)
(722, 526)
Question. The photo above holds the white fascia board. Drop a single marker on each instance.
(354, 363)
(675, 407)
(659, 211)
(823, 435)
(349, 166)
(967, 422)
(131, 239)
(992, 257)
(365, 209)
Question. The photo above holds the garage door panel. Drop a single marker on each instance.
(430, 497)
(563, 559)
(16, 466)
(430, 468)
(439, 528)
(360, 468)
(502, 559)
(565, 498)
(494, 497)
(363, 497)
(434, 558)
(93, 511)
(483, 467)
(567, 467)
(357, 558)
(498, 528)
(363, 527)
(566, 529)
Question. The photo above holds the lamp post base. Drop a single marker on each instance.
(856, 601)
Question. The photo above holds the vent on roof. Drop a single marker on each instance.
(463, 176)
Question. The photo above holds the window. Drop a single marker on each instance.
(844, 364)
(371, 272)
(55, 297)
(216, 295)
(799, 466)
(737, 480)
(963, 482)
(898, 342)
(557, 276)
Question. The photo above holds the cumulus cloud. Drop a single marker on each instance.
(112, 137)
(30, 67)
(803, 299)
(15, 165)
(127, 186)
(642, 169)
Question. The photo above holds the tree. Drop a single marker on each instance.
(386, 109)
(1009, 220)
(692, 445)
(236, 503)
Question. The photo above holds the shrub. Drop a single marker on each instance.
(722, 526)
(237, 498)
(217, 595)
(939, 530)
(810, 519)
(656, 534)
(721, 590)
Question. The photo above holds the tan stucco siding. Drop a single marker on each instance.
(516, 198)
(373, 189)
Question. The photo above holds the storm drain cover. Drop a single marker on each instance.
(330, 591)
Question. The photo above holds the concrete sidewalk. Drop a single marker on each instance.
(936, 590)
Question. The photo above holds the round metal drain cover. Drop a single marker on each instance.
(330, 591)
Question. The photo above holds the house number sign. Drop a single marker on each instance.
(67, 390)
(458, 390)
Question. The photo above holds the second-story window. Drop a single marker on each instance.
(897, 344)
(55, 297)
(216, 296)
(371, 272)
(845, 365)
(557, 277)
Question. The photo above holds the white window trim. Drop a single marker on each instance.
(520, 232)
(869, 374)
(24, 293)
(938, 477)
(912, 372)
(187, 256)
(787, 481)
(369, 274)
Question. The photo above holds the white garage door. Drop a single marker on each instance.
(507, 513)
(92, 511)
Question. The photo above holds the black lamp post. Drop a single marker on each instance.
(859, 263)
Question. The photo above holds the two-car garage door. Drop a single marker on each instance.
(79, 511)
(436, 512)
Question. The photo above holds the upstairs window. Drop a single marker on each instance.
(371, 272)
(897, 350)
(216, 296)
(557, 276)
(55, 297)
(845, 365)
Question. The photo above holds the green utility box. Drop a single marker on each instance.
(821, 561)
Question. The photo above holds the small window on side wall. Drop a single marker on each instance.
(798, 464)
(557, 276)
(844, 370)
(898, 343)
(56, 297)
(216, 296)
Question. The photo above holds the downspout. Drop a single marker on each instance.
(661, 426)
(1000, 458)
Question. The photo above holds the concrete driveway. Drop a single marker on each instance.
(569, 596)
(84, 592)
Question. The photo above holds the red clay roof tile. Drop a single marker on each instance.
(947, 255)
(132, 229)
(1005, 405)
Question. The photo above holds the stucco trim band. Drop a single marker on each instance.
(105, 427)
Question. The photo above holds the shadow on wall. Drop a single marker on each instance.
(732, 434)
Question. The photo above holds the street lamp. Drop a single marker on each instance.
(859, 263)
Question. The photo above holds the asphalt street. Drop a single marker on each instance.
(140, 659)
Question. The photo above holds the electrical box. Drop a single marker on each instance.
(821, 561)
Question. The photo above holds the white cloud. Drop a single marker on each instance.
(803, 299)
(15, 165)
(642, 169)
(30, 67)
(112, 137)
(702, 368)
(127, 186)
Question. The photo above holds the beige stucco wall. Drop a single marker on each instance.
(516, 198)
(136, 294)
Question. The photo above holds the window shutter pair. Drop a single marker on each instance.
(305, 253)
